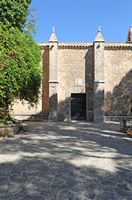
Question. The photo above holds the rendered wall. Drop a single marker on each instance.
(22, 110)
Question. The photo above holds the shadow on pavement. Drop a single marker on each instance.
(66, 161)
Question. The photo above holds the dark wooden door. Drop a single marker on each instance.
(78, 106)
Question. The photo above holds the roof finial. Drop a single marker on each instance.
(53, 29)
(99, 29)
(99, 37)
(53, 37)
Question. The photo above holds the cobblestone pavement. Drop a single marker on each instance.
(66, 161)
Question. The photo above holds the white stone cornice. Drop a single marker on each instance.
(43, 44)
(74, 45)
(108, 45)
(118, 45)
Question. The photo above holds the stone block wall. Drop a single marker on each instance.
(98, 81)
(89, 80)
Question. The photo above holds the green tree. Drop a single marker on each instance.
(14, 11)
(20, 73)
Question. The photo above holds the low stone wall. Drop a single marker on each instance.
(116, 118)
(9, 130)
(37, 117)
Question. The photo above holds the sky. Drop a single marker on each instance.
(78, 20)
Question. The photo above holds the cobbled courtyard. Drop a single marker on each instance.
(66, 161)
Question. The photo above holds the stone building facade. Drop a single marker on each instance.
(84, 81)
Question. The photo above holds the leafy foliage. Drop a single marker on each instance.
(20, 74)
(14, 11)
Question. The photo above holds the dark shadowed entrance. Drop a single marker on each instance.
(78, 106)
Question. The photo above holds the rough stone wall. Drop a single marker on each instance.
(75, 74)
(45, 83)
(72, 69)
(118, 81)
